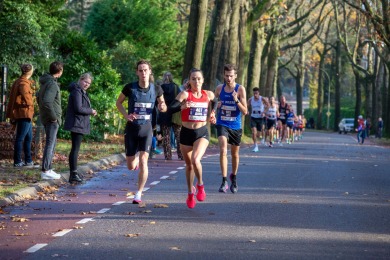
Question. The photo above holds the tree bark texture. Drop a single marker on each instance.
(196, 28)
(214, 43)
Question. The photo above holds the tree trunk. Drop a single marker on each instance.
(242, 43)
(254, 63)
(271, 65)
(337, 87)
(300, 79)
(233, 52)
(264, 66)
(358, 89)
(320, 95)
(213, 45)
(196, 27)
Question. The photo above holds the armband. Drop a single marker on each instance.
(214, 104)
(174, 107)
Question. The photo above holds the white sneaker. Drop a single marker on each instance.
(262, 141)
(50, 175)
(137, 198)
(256, 149)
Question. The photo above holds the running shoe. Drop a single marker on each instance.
(233, 186)
(50, 175)
(255, 149)
(31, 165)
(191, 202)
(262, 141)
(224, 187)
(270, 144)
(201, 195)
(137, 198)
(21, 164)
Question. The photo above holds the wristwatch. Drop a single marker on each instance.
(237, 101)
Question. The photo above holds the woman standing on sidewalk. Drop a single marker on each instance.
(194, 136)
(20, 110)
(77, 121)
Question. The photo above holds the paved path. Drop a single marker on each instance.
(323, 197)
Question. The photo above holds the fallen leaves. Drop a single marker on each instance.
(19, 219)
(161, 206)
(133, 235)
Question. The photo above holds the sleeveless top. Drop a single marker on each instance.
(142, 103)
(257, 107)
(271, 113)
(282, 111)
(198, 110)
(229, 114)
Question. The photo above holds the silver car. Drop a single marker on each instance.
(346, 125)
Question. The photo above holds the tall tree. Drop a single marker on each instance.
(214, 43)
(195, 35)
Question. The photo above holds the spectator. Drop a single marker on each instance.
(49, 101)
(361, 130)
(380, 128)
(165, 119)
(77, 121)
(20, 111)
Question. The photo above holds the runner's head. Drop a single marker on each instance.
(196, 79)
(144, 70)
(229, 74)
(256, 92)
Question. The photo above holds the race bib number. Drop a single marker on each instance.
(143, 110)
(228, 113)
(198, 111)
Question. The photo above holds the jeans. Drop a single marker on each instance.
(51, 130)
(74, 152)
(23, 140)
(361, 134)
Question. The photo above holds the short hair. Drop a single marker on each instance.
(230, 67)
(167, 78)
(56, 67)
(255, 89)
(87, 75)
(142, 61)
(25, 68)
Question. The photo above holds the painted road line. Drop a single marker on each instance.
(84, 220)
(119, 203)
(104, 210)
(154, 183)
(35, 248)
(164, 177)
(130, 197)
(145, 189)
(180, 168)
(62, 232)
(172, 172)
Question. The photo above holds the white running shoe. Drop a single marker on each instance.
(50, 175)
(256, 149)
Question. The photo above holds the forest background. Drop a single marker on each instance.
(333, 54)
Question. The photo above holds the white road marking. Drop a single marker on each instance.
(180, 168)
(61, 233)
(154, 183)
(172, 172)
(118, 203)
(145, 189)
(35, 248)
(104, 210)
(84, 220)
(130, 197)
(164, 177)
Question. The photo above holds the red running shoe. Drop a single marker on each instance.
(201, 195)
(191, 202)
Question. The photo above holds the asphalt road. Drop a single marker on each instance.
(323, 197)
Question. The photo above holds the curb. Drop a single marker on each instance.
(34, 189)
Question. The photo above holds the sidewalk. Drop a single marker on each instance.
(32, 191)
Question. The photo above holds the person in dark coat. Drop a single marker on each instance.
(77, 121)
(165, 119)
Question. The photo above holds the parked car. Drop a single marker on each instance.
(346, 125)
